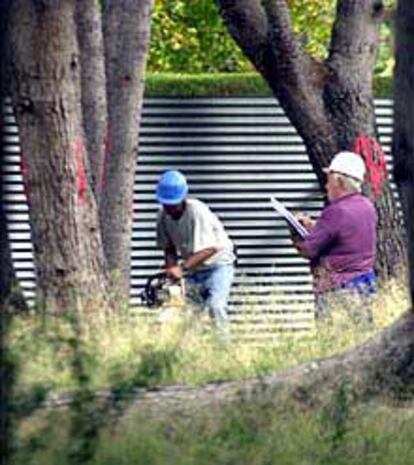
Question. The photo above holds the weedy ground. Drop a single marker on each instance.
(128, 350)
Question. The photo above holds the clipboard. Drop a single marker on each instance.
(291, 220)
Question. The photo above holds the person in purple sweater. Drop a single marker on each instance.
(341, 244)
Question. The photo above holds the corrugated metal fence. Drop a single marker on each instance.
(236, 153)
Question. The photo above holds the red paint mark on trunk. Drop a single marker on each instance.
(82, 183)
(374, 157)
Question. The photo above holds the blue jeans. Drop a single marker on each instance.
(355, 296)
(211, 288)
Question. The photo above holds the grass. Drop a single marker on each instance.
(257, 433)
(266, 435)
(131, 351)
(129, 348)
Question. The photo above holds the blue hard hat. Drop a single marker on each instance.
(172, 188)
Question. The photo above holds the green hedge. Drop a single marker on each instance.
(224, 85)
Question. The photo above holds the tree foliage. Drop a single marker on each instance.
(189, 36)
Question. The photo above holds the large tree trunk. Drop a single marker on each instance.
(126, 37)
(6, 266)
(330, 103)
(45, 89)
(403, 138)
(93, 80)
(6, 286)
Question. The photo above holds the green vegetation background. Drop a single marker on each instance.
(193, 55)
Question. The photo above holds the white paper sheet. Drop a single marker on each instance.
(287, 215)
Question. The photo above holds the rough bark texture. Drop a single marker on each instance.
(93, 81)
(6, 286)
(126, 37)
(6, 267)
(44, 69)
(403, 138)
(329, 103)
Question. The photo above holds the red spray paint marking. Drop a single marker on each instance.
(374, 157)
(80, 171)
(24, 168)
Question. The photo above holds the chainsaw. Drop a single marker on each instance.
(161, 290)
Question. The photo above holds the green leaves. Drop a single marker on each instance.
(189, 37)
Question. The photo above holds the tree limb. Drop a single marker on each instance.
(263, 30)
(93, 84)
(285, 48)
(350, 63)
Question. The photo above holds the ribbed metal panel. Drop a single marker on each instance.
(236, 153)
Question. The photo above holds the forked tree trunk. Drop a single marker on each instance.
(126, 36)
(44, 70)
(329, 103)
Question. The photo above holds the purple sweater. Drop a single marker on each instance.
(342, 244)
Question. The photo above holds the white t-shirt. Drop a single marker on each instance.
(197, 229)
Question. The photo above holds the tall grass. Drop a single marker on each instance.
(128, 350)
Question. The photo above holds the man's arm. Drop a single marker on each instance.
(322, 233)
(198, 258)
(171, 263)
(193, 261)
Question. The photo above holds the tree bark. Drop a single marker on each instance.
(330, 103)
(403, 142)
(93, 84)
(6, 266)
(6, 283)
(44, 69)
(126, 38)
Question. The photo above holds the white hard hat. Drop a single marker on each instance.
(349, 164)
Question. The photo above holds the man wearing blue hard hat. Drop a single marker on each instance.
(188, 229)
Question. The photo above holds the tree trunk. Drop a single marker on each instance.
(330, 103)
(45, 89)
(403, 142)
(93, 81)
(6, 265)
(126, 37)
(6, 285)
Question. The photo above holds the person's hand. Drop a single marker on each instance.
(306, 221)
(174, 272)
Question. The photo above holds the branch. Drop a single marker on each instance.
(263, 29)
(355, 38)
(247, 24)
(288, 56)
